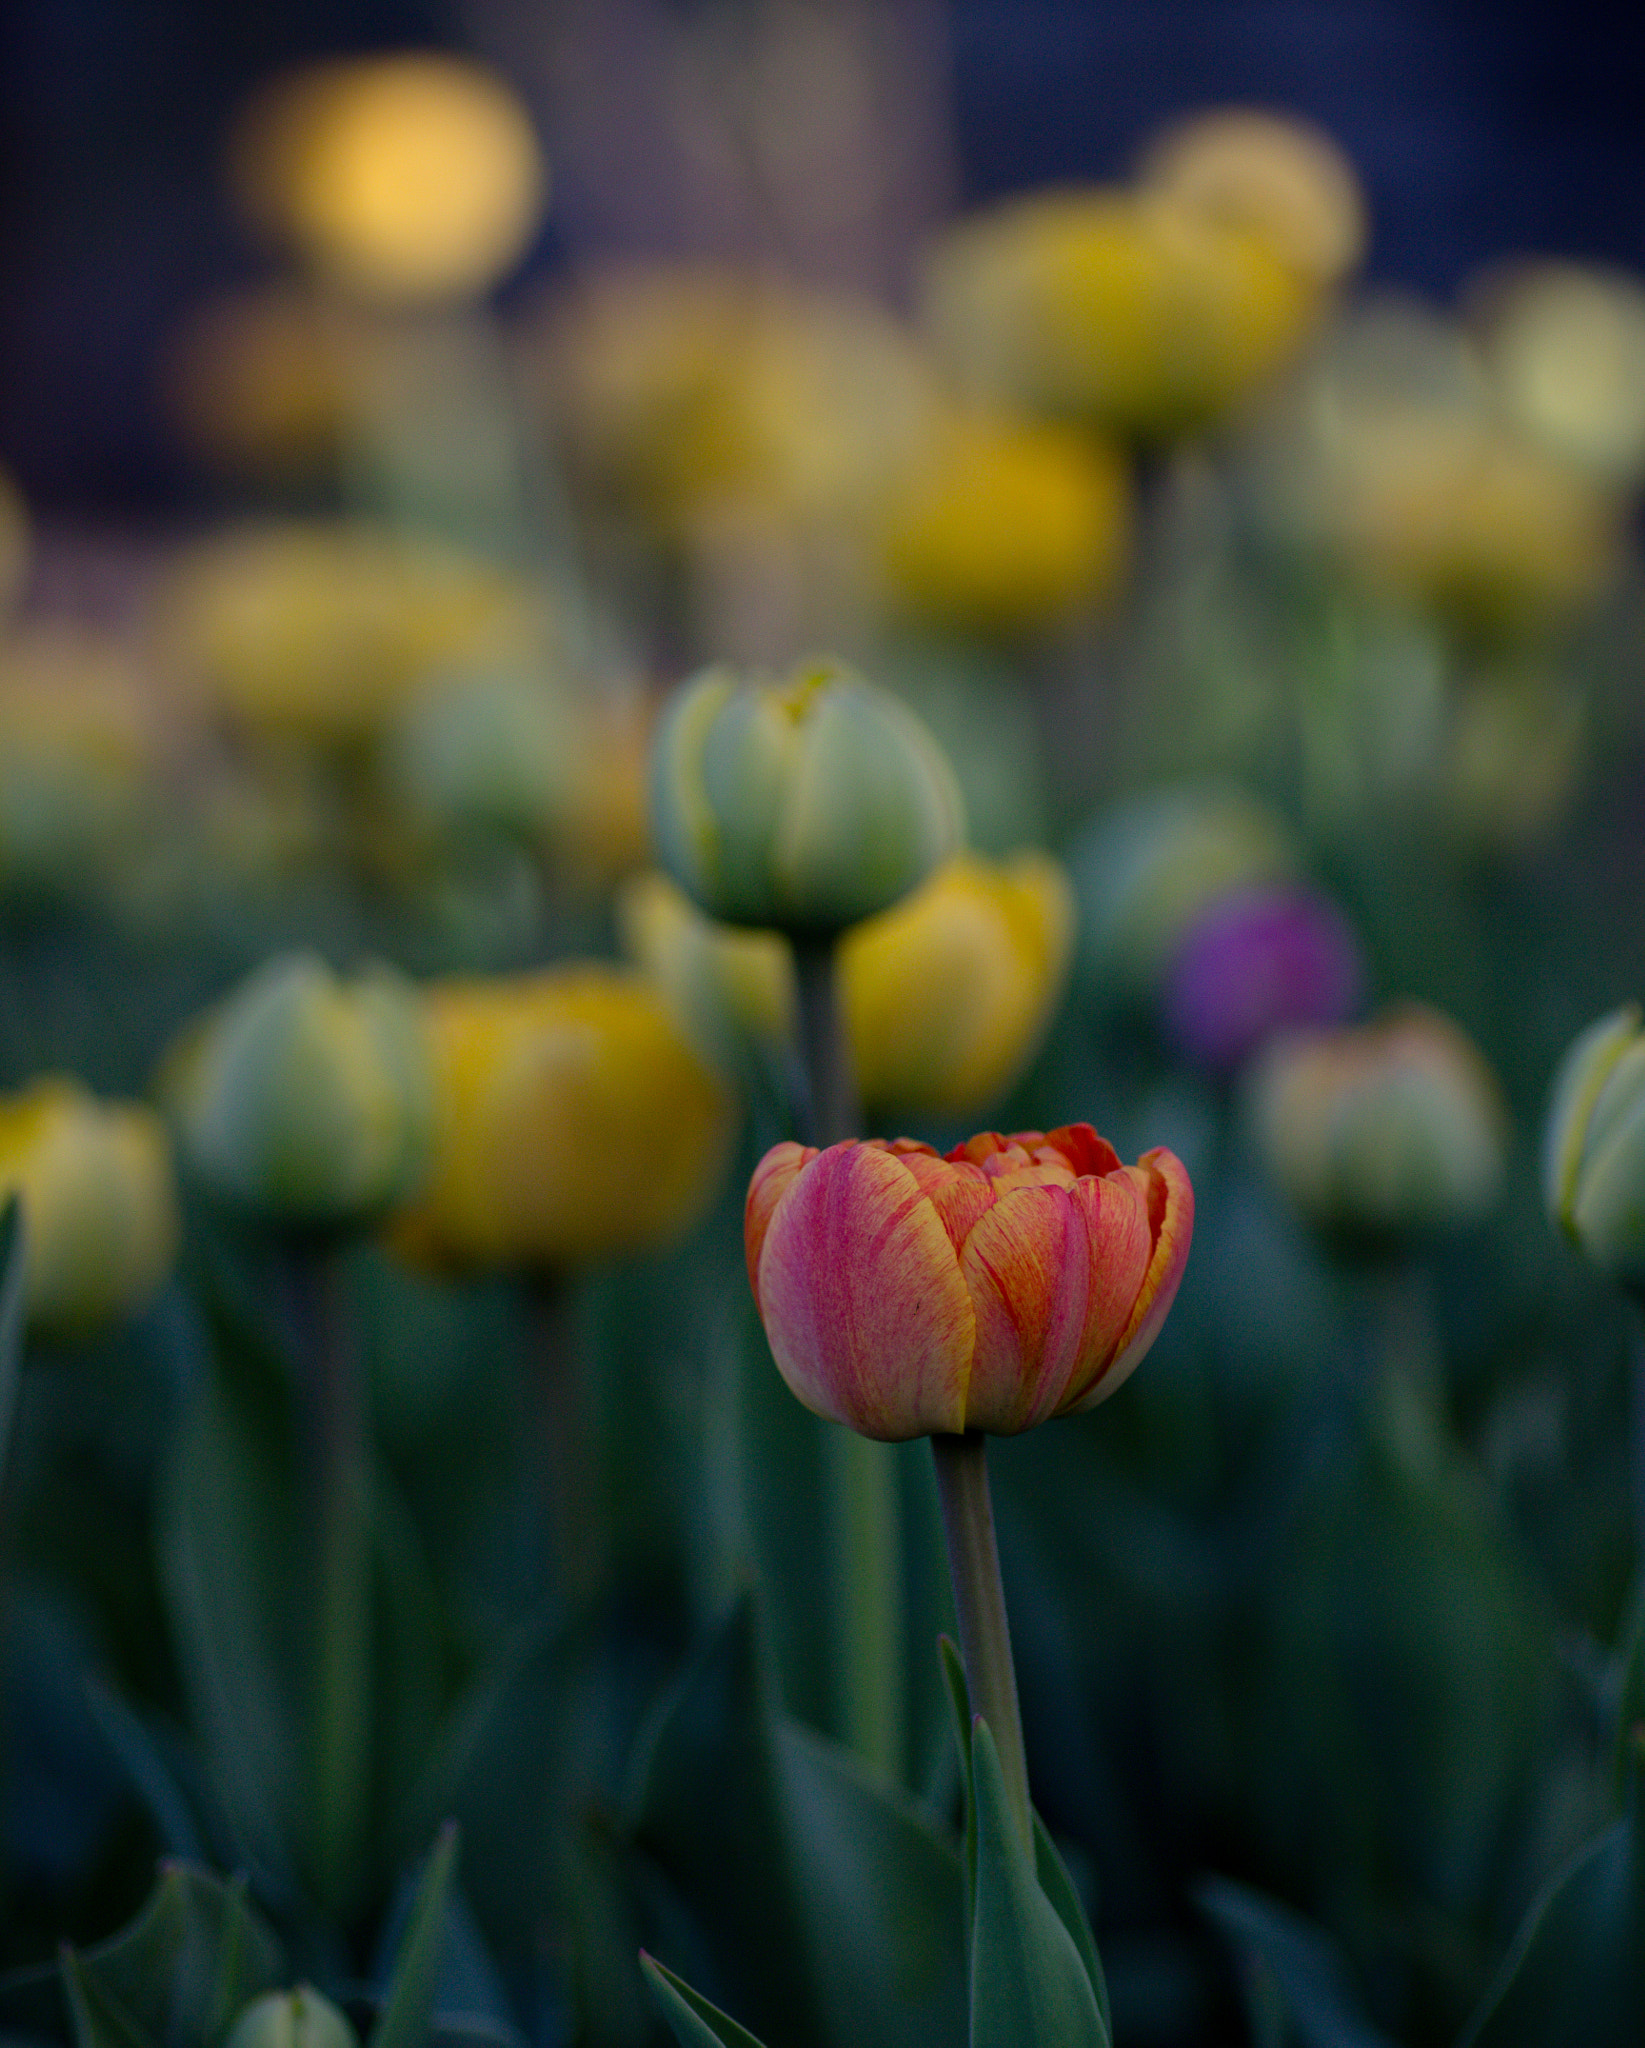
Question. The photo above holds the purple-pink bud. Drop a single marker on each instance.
(1259, 960)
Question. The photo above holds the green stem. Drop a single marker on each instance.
(340, 1726)
(864, 1507)
(575, 1532)
(979, 1599)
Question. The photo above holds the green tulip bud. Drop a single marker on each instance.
(1594, 1151)
(805, 806)
(304, 1099)
(1380, 1130)
(292, 2019)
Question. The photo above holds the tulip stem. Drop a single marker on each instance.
(979, 1601)
(830, 1083)
(865, 1519)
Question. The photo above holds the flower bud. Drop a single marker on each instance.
(573, 1121)
(1380, 1129)
(1143, 874)
(305, 1099)
(803, 806)
(947, 994)
(906, 1294)
(99, 1205)
(292, 2019)
(1259, 960)
(1594, 1149)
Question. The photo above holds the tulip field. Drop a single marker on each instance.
(822, 1135)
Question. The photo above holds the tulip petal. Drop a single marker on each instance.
(860, 1292)
(1081, 1147)
(958, 1191)
(1171, 1214)
(773, 1177)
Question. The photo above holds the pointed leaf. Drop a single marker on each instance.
(13, 1260)
(1576, 1972)
(408, 2009)
(695, 2022)
(194, 1955)
(1029, 1987)
(1291, 1965)
(1058, 1887)
(100, 2020)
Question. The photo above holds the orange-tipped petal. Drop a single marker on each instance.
(1082, 1148)
(958, 1191)
(859, 1288)
(1171, 1214)
(773, 1177)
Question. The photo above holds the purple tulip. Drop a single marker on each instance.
(1259, 960)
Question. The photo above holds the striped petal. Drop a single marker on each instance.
(1171, 1217)
(860, 1291)
(773, 1177)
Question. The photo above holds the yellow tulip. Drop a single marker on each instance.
(1126, 310)
(317, 632)
(947, 994)
(99, 1204)
(406, 178)
(1009, 526)
(1271, 176)
(573, 1121)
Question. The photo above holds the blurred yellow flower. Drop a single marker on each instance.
(405, 178)
(316, 631)
(947, 994)
(1008, 525)
(99, 1203)
(573, 1122)
(1564, 345)
(1270, 174)
(1130, 311)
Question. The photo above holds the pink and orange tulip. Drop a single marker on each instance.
(906, 1294)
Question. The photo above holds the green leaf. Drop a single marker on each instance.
(1029, 1986)
(830, 1911)
(1576, 1971)
(100, 2020)
(696, 2023)
(181, 1971)
(408, 2009)
(1292, 1968)
(13, 1303)
(1058, 1887)
(231, 1535)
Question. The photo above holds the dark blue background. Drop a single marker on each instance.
(1479, 132)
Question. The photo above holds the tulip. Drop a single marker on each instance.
(906, 1294)
(316, 632)
(574, 1122)
(292, 2019)
(1594, 1155)
(1008, 527)
(304, 1099)
(405, 179)
(1379, 1129)
(947, 994)
(1259, 961)
(99, 1205)
(805, 806)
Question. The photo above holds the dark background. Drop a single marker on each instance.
(1479, 131)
